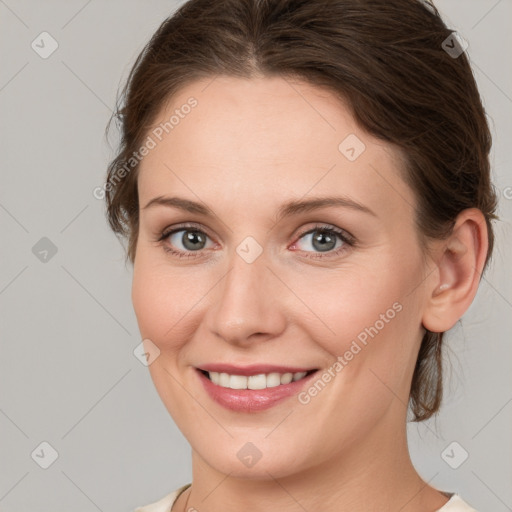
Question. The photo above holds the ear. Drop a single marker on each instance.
(460, 261)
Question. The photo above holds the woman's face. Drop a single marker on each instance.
(263, 289)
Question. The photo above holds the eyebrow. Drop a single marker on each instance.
(289, 208)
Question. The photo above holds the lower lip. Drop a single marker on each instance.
(251, 400)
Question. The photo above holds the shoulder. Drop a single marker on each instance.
(164, 504)
(456, 504)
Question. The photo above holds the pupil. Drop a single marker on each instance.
(192, 237)
(326, 242)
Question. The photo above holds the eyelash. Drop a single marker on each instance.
(346, 238)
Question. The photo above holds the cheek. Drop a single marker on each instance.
(163, 302)
(164, 305)
(336, 307)
(343, 305)
(369, 318)
(372, 358)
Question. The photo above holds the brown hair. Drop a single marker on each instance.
(385, 58)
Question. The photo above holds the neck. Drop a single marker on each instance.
(375, 473)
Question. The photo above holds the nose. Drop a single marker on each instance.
(248, 303)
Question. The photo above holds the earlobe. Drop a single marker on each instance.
(460, 261)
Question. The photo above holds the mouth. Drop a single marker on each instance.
(252, 389)
(254, 382)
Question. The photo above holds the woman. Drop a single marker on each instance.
(305, 190)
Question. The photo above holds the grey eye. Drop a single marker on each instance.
(190, 239)
(322, 240)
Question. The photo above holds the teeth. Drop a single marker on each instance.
(298, 376)
(223, 380)
(257, 381)
(273, 380)
(260, 381)
(286, 378)
(237, 382)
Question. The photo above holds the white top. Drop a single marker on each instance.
(454, 504)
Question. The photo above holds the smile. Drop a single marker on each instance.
(254, 388)
(259, 381)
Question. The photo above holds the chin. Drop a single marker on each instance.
(255, 460)
(261, 470)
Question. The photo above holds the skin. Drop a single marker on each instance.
(244, 150)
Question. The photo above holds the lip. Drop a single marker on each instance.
(251, 400)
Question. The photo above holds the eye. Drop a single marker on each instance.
(184, 241)
(189, 241)
(324, 239)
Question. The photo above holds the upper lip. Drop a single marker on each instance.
(254, 369)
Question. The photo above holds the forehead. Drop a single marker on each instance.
(256, 119)
(264, 137)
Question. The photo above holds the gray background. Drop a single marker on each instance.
(68, 375)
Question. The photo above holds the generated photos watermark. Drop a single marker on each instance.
(357, 344)
(150, 143)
